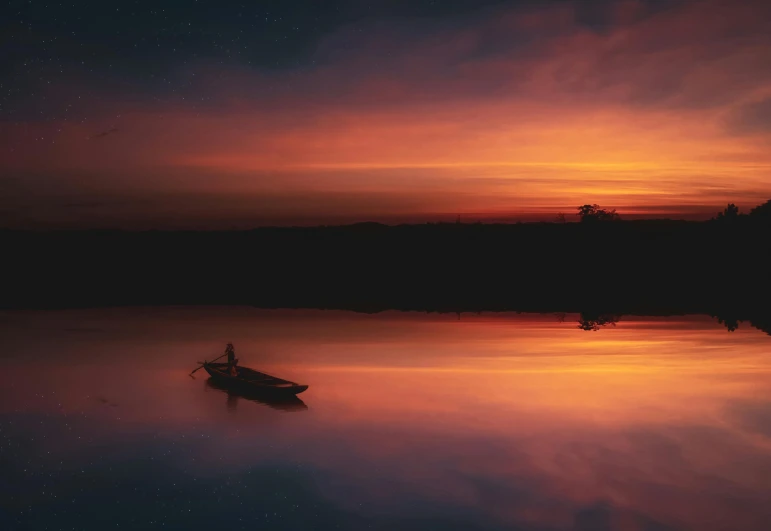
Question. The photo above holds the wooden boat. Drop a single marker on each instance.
(280, 402)
(251, 380)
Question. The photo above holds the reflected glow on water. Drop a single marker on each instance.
(412, 421)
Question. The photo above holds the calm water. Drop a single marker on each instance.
(411, 421)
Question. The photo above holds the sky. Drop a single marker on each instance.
(204, 114)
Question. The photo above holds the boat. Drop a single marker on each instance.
(253, 381)
(280, 402)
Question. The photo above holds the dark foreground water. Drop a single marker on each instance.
(411, 422)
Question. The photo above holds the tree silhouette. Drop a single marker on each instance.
(730, 213)
(561, 218)
(593, 213)
(593, 323)
(731, 323)
(762, 212)
(762, 322)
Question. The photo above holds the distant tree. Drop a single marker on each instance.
(762, 212)
(593, 213)
(730, 322)
(561, 218)
(762, 323)
(593, 323)
(730, 213)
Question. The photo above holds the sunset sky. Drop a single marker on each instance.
(235, 114)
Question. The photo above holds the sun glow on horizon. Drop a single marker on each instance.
(659, 114)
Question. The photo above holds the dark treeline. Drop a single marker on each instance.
(593, 322)
(599, 265)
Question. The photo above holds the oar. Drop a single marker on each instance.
(212, 361)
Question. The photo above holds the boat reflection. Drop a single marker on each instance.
(291, 403)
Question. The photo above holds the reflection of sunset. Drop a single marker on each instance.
(653, 417)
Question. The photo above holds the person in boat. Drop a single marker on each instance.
(232, 360)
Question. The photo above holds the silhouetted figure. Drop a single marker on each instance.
(232, 360)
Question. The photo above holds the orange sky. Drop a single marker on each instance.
(512, 114)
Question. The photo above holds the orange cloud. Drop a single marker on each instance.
(516, 113)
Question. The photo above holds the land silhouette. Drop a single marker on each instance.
(597, 263)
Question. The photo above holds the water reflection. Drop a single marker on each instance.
(594, 323)
(290, 403)
(414, 421)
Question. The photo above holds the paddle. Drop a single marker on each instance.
(212, 361)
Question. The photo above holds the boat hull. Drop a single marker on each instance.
(280, 402)
(249, 380)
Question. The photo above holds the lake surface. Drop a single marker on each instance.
(411, 422)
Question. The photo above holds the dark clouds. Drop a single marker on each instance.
(634, 102)
(64, 62)
(752, 118)
(138, 46)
